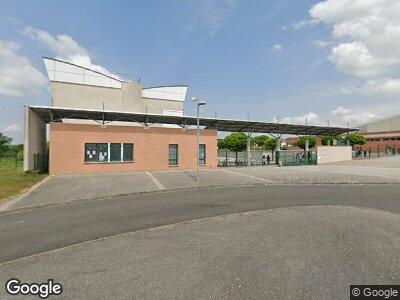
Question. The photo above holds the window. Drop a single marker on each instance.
(128, 152)
(202, 154)
(173, 154)
(96, 152)
(108, 152)
(115, 152)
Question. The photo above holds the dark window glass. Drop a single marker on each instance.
(202, 154)
(96, 152)
(128, 152)
(91, 153)
(115, 150)
(173, 154)
(102, 150)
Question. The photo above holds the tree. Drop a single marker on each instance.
(356, 139)
(326, 138)
(270, 144)
(5, 142)
(235, 142)
(265, 142)
(259, 141)
(301, 143)
(221, 144)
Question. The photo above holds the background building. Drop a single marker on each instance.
(383, 137)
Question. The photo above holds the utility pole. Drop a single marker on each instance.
(248, 144)
(198, 104)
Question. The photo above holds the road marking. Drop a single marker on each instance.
(5, 206)
(155, 180)
(246, 175)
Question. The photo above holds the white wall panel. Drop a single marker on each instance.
(177, 93)
(66, 72)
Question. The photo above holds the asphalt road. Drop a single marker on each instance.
(312, 252)
(32, 231)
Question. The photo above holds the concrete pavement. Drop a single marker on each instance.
(290, 253)
(68, 188)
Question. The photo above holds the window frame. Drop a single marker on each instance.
(175, 161)
(118, 150)
(108, 160)
(203, 161)
(123, 152)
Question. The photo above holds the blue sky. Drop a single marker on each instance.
(290, 58)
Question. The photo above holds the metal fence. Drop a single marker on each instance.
(41, 162)
(374, 154)
(227, 158)
(296, 158)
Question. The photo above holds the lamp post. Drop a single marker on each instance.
(198, 104)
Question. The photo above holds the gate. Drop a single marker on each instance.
(296, 158)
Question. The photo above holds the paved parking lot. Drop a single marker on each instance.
(66, 188)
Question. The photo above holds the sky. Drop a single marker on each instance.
(333, 61)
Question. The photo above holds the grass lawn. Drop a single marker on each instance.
(13, 180)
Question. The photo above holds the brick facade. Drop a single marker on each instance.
(385, 142)
(67, 148)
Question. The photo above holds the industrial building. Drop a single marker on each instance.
(98, 122)
(383, 137)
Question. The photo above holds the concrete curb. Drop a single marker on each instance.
(173, 190)
(12, 201)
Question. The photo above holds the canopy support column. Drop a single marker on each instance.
(248, 151)
(35, 138)
(306, 148)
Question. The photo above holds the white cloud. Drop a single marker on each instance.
(65, 48)
(340, 111)
(277, 48)
(309, 118)
(322, 44)
(208, 14)
(18, 77)
(383, 86)
(355, 59)
(14, 131)
(351, 117)
(363, 44)
(301, 24)
(12, 128)
(365, 32)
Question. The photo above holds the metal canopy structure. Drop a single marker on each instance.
(57, 114)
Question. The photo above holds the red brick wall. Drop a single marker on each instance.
(67, 146)
(380, 142)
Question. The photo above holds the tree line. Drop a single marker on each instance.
(8, 150)
(237, 141)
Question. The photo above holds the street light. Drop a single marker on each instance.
(199, 103)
